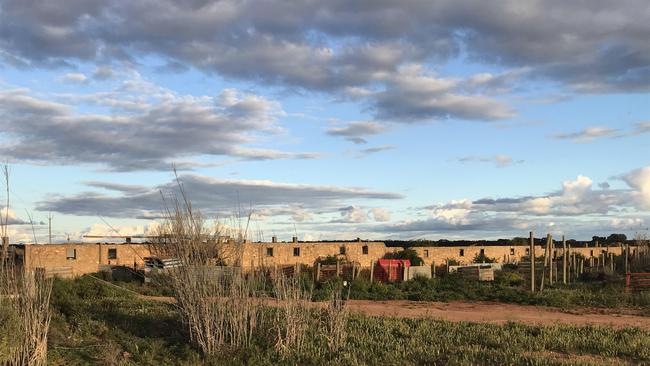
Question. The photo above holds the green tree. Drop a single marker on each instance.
(409, 254)
(482, 258)
(616, 238)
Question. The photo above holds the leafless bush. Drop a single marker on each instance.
(24, 305)
(219, 305)
(641, 258)
(293, 315)
(336, 319)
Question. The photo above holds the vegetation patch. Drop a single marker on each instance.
(96, 324)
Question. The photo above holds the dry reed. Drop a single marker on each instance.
(219, 304)
(24, 305)
(336, 319)
(293, 316)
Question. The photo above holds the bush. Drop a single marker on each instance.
(330, 259)
(507, 278)
(409, 254)
(482, 258)
(9, 330)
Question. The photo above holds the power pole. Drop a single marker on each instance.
(49, 219)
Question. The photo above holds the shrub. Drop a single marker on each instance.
(409, 254)
(330, 259)
(507, 278)
(482, 258)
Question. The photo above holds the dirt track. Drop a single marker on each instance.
(499, 313)
(488, 312)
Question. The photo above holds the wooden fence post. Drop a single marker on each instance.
(372, 270)
(627, 258)
(318, 272)
(551, 259)
(531, 254)
(433, 269)
(546, 248)
(564, 261)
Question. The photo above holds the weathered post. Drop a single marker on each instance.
(433, 269)
(582, 266)
(627, 258)
(318, 272)
(551, 258)
(546, 263)
(338, 268)
(564, 260)
(372, 270)
(531, 253)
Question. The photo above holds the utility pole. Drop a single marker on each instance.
(531, 253)
(49, 219)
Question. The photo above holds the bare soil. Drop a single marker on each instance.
(488, 312)
(499, 313)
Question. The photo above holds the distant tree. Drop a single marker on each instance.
(409, 254)
(482, 258)
(600, 239)
(519, 241)
(616, 238)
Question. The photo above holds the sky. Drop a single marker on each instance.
(327, 119)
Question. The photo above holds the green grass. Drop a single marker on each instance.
(507, 288)
(96, 324)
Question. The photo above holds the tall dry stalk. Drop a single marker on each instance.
(24, 305)
(640, 262)
(293, 316)
(219, 304)
(336, 319)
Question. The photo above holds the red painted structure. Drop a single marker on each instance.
(390, 270)
(635, 282)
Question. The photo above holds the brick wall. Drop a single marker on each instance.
(78, 259)
(271, 254)
(87, 258)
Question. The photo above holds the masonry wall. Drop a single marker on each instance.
(129, 255)
(89, 258)
(78, 259)
(502, 254)
(271, 254)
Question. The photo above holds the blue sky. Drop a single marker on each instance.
(334, 120)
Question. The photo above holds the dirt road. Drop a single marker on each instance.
(499, 313)
(488, 312)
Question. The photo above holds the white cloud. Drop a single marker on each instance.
(412, 94)
(74, 77)
(357, 130)
(380, 214)
(640, 180)
(499, 160)
(214, 197)
(565, 209)
(105, 230)
(588, 134)
(148, 127)
(354, 214)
